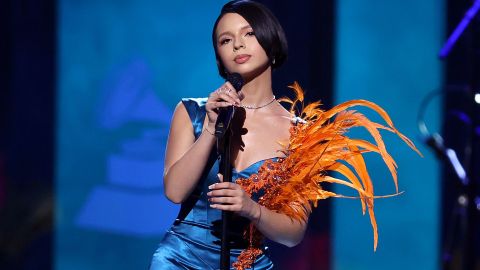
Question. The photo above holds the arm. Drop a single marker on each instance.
(185, 158)
(275, 226)
(279, 227)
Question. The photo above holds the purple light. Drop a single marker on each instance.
(469, 15)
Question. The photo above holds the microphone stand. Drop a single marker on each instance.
(458, 248)
(223, 133)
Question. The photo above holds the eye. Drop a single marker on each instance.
(224, 41)
(250, 33)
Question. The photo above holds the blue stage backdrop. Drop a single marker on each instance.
(123, 66)
(387, 53)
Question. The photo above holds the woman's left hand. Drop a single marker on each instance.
(231, 197)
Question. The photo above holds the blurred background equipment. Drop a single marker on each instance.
(461, 128)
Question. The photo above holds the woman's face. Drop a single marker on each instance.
(238, 47)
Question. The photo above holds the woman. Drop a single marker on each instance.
(248, 40)
(274, 184)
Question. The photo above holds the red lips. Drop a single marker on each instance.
(241, 58)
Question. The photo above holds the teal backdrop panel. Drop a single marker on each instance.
(387, 53)
(123, 66)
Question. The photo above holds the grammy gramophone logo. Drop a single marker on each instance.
(130, 200)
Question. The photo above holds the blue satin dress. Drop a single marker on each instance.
(193, 241)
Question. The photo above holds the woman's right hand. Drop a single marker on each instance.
(222, 97)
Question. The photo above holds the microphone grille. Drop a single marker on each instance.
(236, 80)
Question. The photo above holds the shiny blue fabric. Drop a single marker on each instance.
(193, 242)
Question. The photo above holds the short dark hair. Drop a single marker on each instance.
(268, 31)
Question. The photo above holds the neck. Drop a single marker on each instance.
(258, 91)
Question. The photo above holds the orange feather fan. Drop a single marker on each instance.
(318, 146)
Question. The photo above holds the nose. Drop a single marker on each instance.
(238, 43)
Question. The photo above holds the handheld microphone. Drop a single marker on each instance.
(226, 114)
(236, 80)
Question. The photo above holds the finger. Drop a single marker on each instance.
(223, 193)
(229, 97)
(225, 89)
(218, 104)
(230, 86)
(218, 95)
(223, 200)
(240, 95)
(235, 93)
(224, 185)
(213, 105)
(220, 177)
(225, 207)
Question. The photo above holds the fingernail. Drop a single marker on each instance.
(213, 206)
(211, 186)
(209, 194)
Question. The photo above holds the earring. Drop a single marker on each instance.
(273, 62)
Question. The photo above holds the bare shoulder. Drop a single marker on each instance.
(280, 121)
(180, 137)
(283, 115)
(180, 115)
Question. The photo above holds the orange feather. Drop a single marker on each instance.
(317, 147)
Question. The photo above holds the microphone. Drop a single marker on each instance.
(225, 114)
(235, 80)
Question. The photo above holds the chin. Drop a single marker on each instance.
(249, 73)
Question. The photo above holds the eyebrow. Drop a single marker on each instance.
(228, 32)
